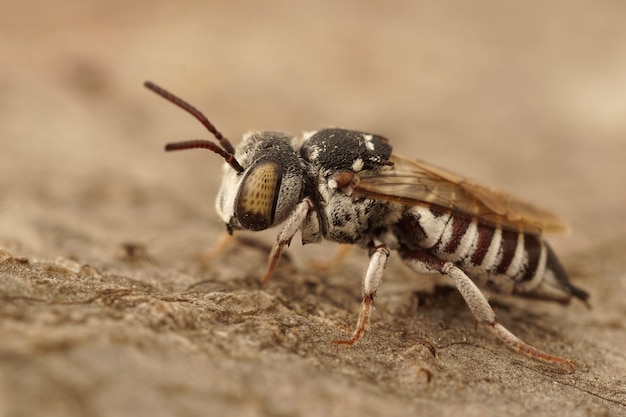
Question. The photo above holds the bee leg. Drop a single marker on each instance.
(224, 242)
(290, 227)
(422, 262)
(340, 256)
(371, 282)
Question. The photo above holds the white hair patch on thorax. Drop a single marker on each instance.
(368, 141)
(357, 165)
(314, 153)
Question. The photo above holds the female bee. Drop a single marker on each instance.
(348, 187)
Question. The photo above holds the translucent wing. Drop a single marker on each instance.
(420, 183)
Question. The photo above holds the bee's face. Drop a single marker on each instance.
(269, 187)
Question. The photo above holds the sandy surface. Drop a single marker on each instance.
(104, 307)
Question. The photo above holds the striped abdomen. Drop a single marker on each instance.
(503, 260)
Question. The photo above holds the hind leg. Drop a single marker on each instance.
(425, 263)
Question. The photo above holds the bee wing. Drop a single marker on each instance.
(420, 183)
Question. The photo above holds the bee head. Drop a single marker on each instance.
(267, 189)
(261, 185)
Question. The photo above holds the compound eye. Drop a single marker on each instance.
(256, 202)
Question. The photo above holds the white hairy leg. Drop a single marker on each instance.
(289, 229)
(371, 282)
(424, 263)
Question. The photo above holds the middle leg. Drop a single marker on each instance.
(371, 282)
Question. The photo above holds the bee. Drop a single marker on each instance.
(349, 187)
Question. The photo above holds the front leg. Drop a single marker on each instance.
(371, 282)
(290, 227)
(425, 263)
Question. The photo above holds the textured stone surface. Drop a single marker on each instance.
(105, 309)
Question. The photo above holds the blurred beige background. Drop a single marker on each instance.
(527, 97)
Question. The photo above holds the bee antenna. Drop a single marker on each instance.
(205, 144)
(224, 142)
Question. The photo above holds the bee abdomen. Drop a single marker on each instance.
(471, 243)
(508, 261)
